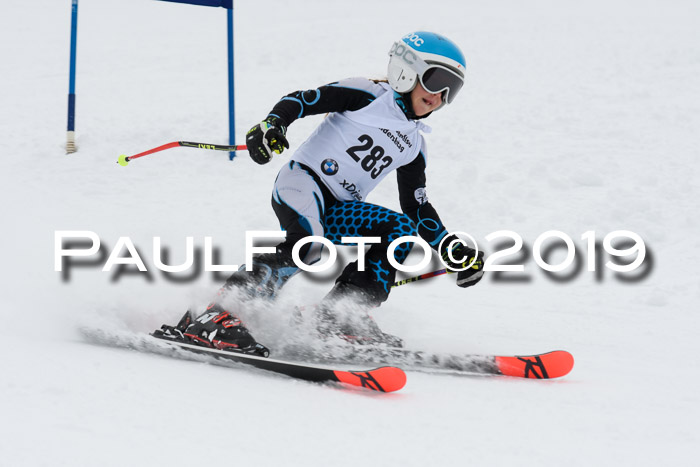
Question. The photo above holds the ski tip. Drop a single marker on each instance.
(544, 366)
(384, 379)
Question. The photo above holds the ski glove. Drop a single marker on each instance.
(265, 138)
(461, 257)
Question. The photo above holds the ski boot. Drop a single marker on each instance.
(215, 328)
(344, 313)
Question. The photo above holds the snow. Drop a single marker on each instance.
(576, 116)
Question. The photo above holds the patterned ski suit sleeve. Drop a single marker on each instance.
(414, 200)
(348, 94)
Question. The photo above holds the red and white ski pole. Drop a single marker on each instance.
(427, 275)
(124, 159)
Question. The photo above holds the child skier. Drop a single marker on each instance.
(372, 129)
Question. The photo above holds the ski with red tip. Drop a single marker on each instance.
(548, 365)
(382, 379)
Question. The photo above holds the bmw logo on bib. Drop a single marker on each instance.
(329, 167)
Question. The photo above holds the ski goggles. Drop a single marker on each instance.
(433, 77)
(438, 79)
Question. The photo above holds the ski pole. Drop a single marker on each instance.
(427, 275)
(124, 160)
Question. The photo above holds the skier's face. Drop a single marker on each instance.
(424, 102)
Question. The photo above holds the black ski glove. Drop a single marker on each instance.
(265, 138)
(463, 256)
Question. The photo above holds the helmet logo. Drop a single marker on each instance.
(400, 50)
(415, 38)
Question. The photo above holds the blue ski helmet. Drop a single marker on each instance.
(431, 59)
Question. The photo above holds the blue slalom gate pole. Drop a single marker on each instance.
(70, 141)
(231, 87)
